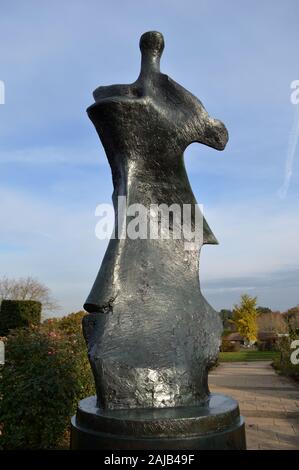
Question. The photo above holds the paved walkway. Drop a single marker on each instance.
(268, 402)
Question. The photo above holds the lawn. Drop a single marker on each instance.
(245, 356)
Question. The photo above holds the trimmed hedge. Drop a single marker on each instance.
(46, 373)
(18, 314)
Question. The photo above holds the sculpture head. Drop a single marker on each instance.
(172, 113)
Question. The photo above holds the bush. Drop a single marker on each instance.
(283, 363)
(18, 314)
(45, 374)
(229, 346)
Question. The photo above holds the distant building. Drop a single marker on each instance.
(235, 338)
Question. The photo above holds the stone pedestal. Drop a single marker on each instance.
(216, 425)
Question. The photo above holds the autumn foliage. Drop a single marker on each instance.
(245, 318)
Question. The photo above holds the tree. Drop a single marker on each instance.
(273, 322)
(245, 317)
(226, 316)
(27, 288)
(292, 318)
(262, 310)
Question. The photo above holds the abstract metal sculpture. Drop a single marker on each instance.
(151, 335)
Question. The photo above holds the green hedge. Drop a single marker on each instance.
(46, 373)
(18, 314)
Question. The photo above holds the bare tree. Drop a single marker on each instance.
(27, 288)
(273, 322)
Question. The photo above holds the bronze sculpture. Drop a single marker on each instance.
(150, 333)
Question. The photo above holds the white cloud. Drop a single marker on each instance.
(52, 155)
(293, 140)
(58, 245)
(254, 238)
(53, 243)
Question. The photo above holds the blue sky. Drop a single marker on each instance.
(238, 57)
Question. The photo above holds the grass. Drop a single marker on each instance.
(245, 356)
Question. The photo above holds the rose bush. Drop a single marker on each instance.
(46, 373)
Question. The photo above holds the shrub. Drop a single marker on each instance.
(71, 324)
(45, 374)
(18, 314)
(283, 363)
(229, 346)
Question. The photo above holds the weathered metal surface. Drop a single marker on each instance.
(151, 335)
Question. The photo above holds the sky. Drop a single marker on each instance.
(239, 58)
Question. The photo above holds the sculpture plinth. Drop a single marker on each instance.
(216, 425)
(150, 333)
